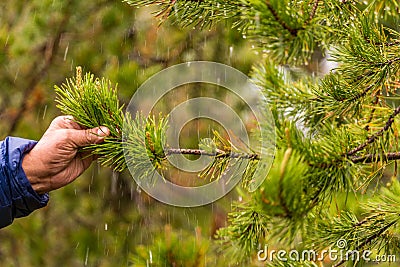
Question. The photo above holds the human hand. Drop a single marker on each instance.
(55, 161)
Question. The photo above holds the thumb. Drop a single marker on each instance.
(89, 136)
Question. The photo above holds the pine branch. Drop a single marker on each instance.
(372, 231)
(375, 136)
(202, 13)
(247, 229)
(366, 241)
(336, 96)
(140, 143)
(284, 25)
(359, 95)
(364, 60)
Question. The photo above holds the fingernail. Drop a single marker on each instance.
(103, 131)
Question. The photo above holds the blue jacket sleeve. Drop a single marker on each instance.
(17, 197)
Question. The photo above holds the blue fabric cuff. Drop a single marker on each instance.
(17, 197)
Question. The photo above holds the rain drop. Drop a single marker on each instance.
(16, 75)
(66, 52)
(86, 256)
(151, 257)
(8, 37)
(44, 112)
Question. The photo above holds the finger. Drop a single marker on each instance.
(81, 138)
(64, 122)
(70, 123)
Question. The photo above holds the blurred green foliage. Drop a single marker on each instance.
(102, 219)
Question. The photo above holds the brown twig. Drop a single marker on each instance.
(369, 158)
(357, 96)
(388, 44)
(373, 137)
(219, 154)
(389, 62)
(371, 115)
(313, 11)
(291, 30)
(362, 94)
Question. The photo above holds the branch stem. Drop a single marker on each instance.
(217, 154)
(369, 158)
(313, 11)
